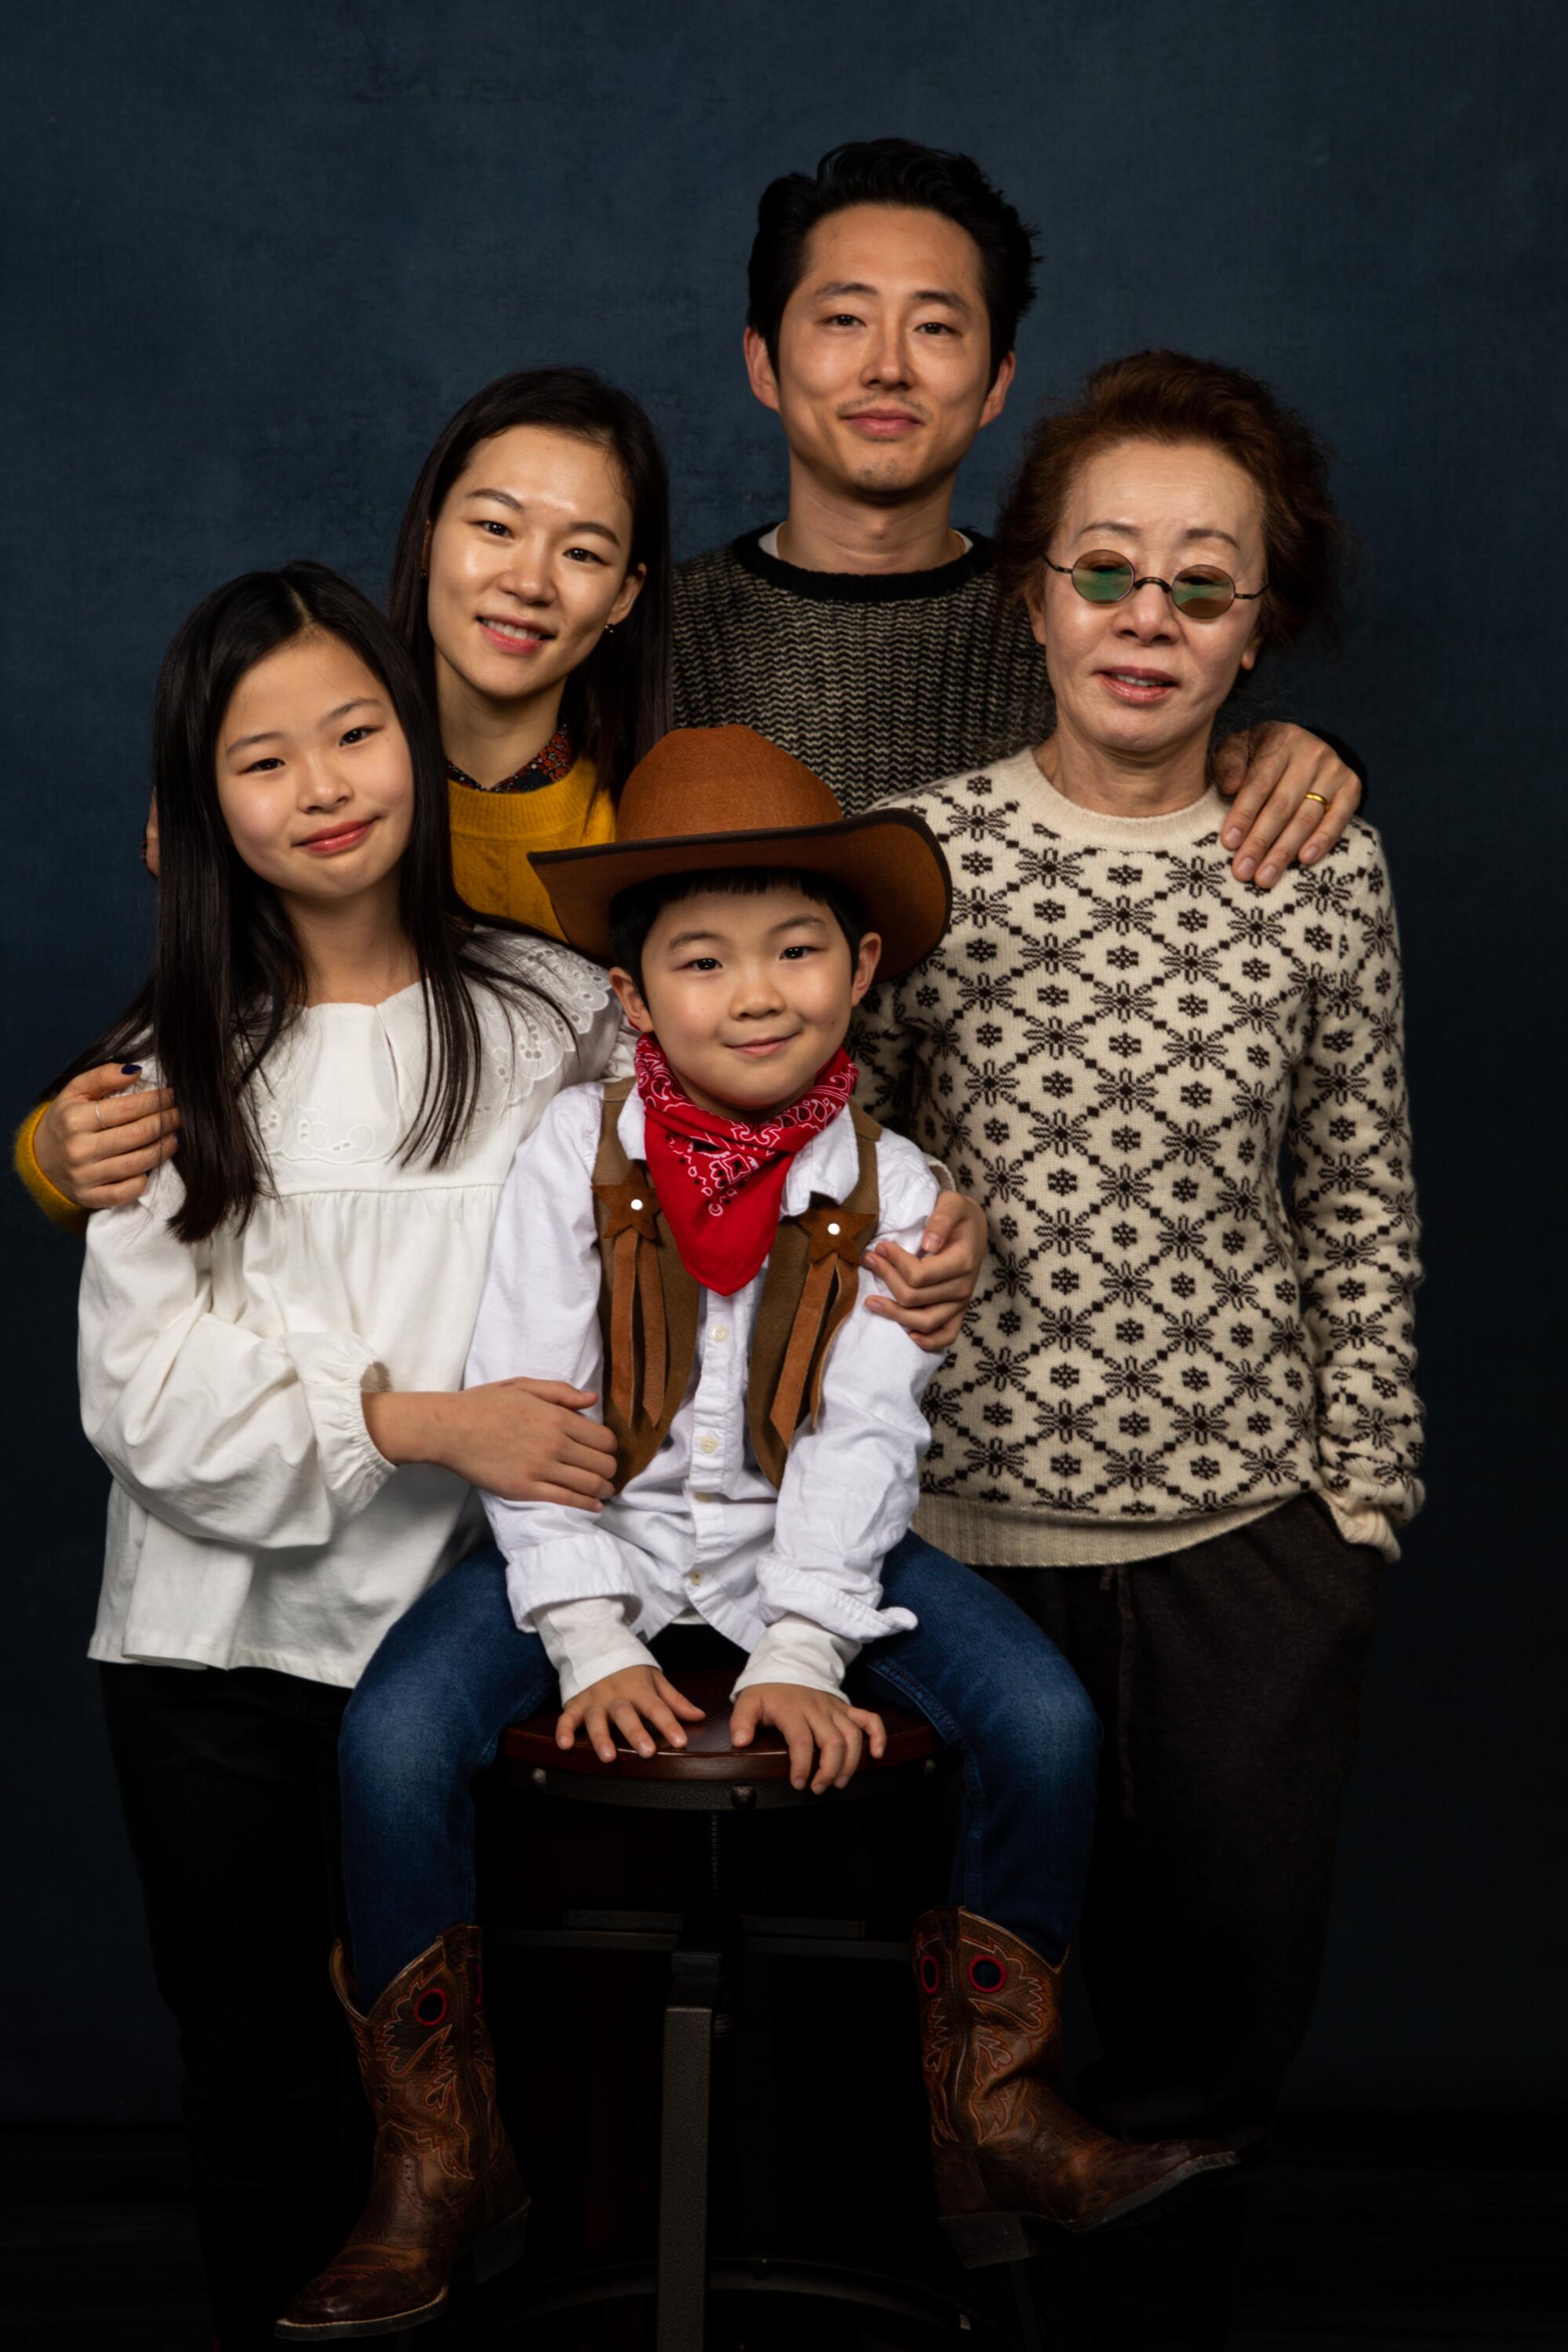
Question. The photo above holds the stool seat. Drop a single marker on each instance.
(708, 1756)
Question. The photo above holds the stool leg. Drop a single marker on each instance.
(688, 2013)
(755, 2122)
(1024, 2309)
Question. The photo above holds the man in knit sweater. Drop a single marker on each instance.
(863, 633)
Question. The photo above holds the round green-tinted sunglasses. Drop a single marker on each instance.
(1199, 593)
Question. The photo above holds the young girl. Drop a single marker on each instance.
(530, 584)
(272, 1343)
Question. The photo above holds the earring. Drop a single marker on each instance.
(609, 629)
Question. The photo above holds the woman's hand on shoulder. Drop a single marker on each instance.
(98, 1141)
(1268, 772)
(931, 1292)
(526, 1441)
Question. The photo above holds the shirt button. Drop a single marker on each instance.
(719, 1331)
(695, 1576)
(707, 1496)
(708, 1444)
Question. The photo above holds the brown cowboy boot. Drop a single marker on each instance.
(1012, 2159)
(445, 2191)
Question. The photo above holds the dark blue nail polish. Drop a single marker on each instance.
(130, 1069)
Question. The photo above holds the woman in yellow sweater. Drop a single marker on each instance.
(531, 583)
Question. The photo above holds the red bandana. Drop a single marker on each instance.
(721, 1180)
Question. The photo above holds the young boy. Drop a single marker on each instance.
(770, 1439)
(689, 1246)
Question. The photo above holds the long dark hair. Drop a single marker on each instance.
(226, 977)
(617, 702)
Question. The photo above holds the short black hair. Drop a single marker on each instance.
(891, 172)
(634, 912)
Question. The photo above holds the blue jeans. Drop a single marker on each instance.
(430, 1709)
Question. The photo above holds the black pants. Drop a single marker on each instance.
(228, 1783)
(1228, 1681)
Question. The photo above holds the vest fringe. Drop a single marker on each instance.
(648, 1304)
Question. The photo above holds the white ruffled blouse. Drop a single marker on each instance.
(251, 1521)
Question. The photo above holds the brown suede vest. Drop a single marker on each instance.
(648, 1303)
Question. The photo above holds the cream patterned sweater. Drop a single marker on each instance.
(1183, 1105)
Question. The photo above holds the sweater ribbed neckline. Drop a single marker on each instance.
(862, 587)
(1097, 828)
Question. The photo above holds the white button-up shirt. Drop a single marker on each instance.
(791, 1577)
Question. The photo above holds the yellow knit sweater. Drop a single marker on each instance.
(25, 1159)
(493, 837)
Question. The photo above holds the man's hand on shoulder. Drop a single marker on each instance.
(930, 1293)
(814, 1724)
(1294, 796)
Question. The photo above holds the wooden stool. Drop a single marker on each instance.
(714, 1784)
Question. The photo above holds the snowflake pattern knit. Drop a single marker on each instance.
(1116, 1046)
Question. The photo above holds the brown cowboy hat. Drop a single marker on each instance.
(707, 798)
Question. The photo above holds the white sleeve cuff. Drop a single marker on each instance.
(819, 1597)
(588, 1566)
(337, 1372)
(586, 1640)
(797, 1649)
(1364, 1524)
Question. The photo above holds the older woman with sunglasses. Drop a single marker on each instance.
(1179, 1427)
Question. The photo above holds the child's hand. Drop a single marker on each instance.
(814, 1722)
(930, 1293)
(526, 1441)
(531, 1442)
(632, 1699)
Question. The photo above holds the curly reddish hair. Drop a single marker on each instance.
(1166, 396)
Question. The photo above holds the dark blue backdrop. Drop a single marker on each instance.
(256, 257)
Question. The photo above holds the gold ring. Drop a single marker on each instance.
(1316, 796)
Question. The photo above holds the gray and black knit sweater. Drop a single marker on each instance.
(878, 682)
